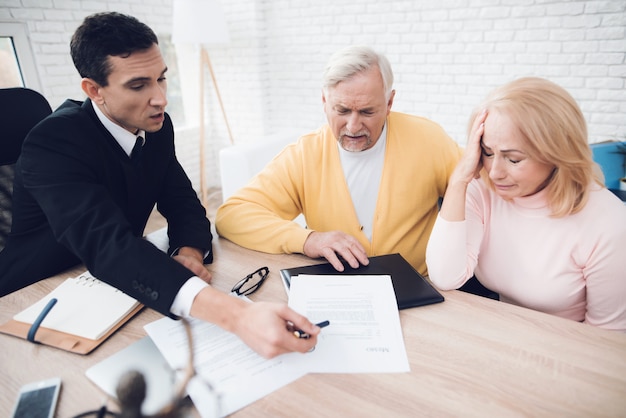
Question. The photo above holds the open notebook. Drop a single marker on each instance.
(86, 311)
(85, 307)
(410, 287)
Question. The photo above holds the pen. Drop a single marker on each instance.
(301, 334)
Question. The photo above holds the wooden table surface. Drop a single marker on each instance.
(469, 356)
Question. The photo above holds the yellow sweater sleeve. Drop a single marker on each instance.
(260, 215)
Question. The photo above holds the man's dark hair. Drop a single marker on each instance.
(107, 34)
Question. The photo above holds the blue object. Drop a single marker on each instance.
(608, 156)
(33, 329)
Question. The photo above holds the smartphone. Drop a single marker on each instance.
(38, 399)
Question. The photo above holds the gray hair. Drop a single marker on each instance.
(349, 61)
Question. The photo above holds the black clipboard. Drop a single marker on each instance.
(410, 287)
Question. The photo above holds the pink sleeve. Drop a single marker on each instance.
(446, 254)
(605, 272)
(452, 251)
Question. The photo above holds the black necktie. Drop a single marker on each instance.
(135, 154)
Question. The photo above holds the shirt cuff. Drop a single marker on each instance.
(206, 253)
(186, 295)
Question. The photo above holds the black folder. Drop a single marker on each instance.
(410, 287)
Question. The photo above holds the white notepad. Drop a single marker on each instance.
(85, 307)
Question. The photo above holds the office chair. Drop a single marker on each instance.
(22, 109)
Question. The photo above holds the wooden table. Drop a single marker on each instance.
(469, 356)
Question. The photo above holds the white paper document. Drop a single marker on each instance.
(238, 374)
(364, 335)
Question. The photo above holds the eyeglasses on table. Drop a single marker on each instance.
(251, 283)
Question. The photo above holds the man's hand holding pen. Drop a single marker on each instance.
(263, 327)
(301, 334)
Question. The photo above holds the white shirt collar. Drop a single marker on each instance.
(121, 135)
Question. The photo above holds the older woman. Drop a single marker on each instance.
(526, 211)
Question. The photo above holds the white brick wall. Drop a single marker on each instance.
(446, 55)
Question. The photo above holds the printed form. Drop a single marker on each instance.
(364, 335)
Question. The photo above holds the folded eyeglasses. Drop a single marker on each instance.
(251, 283)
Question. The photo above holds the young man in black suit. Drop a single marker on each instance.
(82, 194)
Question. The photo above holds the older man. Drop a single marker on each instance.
(368, 182)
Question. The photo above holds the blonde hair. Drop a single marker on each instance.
(554, 129)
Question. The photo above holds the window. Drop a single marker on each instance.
(17, 65)
(10, 75)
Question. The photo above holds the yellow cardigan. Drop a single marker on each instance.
(307, 177)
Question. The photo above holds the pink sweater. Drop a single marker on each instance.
(573, 267)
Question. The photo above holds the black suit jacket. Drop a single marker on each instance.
(78, 198)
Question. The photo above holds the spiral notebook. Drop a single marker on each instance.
(87, 311)
(85, 307)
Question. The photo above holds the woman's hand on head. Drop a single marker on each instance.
(470, 164)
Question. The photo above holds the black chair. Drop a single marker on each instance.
(22, 109)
